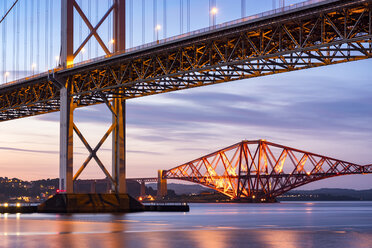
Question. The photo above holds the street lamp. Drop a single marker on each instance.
(82, 54)
(57, 61)
(112, 42)
(214, 11)
(157, 28)
(6, 74)
(33, 66)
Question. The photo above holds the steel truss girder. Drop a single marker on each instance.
(261, 170)
(325, 35)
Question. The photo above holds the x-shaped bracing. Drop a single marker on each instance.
(93, 152)
(93, 30)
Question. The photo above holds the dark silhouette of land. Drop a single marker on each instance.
(17, 190)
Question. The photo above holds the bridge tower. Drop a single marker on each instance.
(162, 184)
(67, 100)
(143, 188)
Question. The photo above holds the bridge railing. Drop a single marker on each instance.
(178, 37)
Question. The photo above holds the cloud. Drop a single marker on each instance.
(293, 102)
(27, 150)
(135, 151)
(145, 152)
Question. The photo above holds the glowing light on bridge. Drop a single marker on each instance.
(6, 74)
(260, 171)
(214, 11)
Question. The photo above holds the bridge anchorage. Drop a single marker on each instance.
(259, 170)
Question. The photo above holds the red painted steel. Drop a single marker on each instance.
(260, 170)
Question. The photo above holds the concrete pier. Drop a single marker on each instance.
(90, 203)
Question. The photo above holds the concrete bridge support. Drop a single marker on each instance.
(143, 188)
(162, 184)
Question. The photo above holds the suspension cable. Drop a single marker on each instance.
(143, 21)
(2, 19)
(3, 34)
(51, 53)
(188, 15)
(13, 43)
(181, 16)
(32, 64)
(243, 8)
(89, 54)
(17, 41)
(155, 21)
(130, 23)
(96, 24)
(25, 36)
(46, 45)
(164, 19)
(110, 29)
(80, 31)
(37, 34)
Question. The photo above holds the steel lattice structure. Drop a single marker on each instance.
(261, 170)
(329, 32)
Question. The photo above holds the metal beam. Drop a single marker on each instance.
(119, 146)
(260, 170)
(67, 33)
(119, 25)
(66, 140)
(119, 115)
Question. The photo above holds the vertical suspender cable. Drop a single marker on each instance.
(214, 14)
(110, 27)
(209, 11)
(37, 34)
(164, 19)
(31, 64)
(143, 21)
(80, 32)
(4, 72)
(181, 16)
(51, 52)
(90, 19)
(17, 41)
(96, 23)
(155, 21)
(130, 23)
(25, 37)
(243, 7)
(46, 45)
(188, 15)
(14, 42)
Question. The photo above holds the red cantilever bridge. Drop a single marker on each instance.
(260, 170)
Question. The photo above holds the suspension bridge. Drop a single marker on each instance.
(304, 35)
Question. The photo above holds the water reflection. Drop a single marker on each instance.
(208, 239)
(285, 225)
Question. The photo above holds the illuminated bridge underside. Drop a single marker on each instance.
(333, 32)
(261, 170)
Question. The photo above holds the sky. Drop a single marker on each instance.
(324, 110)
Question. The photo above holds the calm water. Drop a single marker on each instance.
(284, 225)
